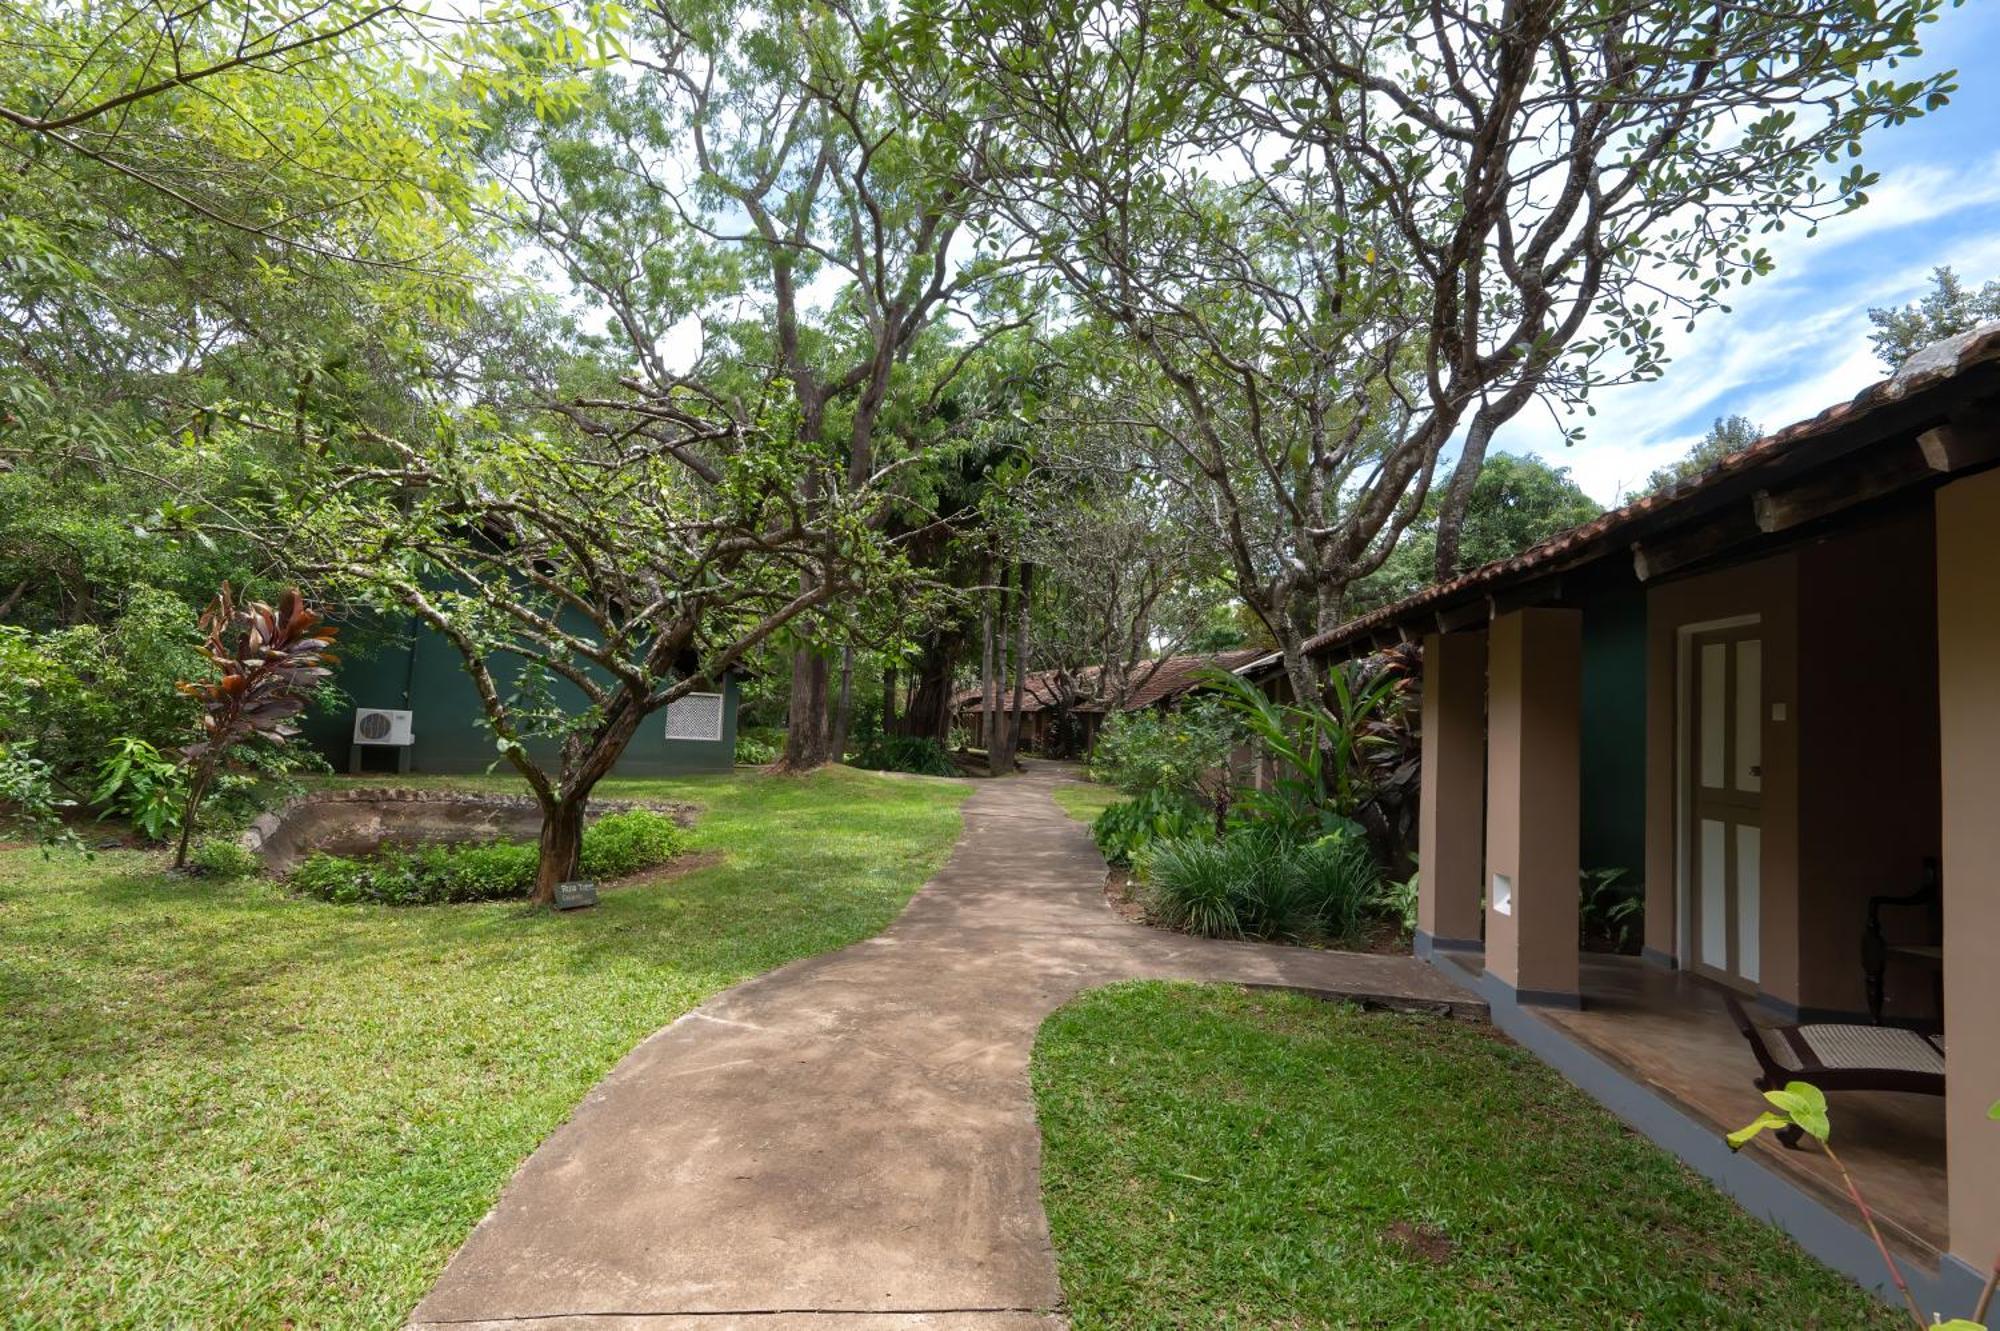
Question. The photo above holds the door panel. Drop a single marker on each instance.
(1749, 898)
(1748, 736)
(1712, 901)
(1725, 793)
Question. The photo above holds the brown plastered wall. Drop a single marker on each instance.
(1767, 588)
(1534, 678)
(1451, 827)
(1868, 753)
(1968, 646)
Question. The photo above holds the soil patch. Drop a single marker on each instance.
(1121, 894)
(1424, 1241)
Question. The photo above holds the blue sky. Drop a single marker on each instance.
(1797, 342)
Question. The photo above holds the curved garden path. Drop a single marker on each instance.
(848, 1143)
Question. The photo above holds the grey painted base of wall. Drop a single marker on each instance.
(1492, 987)
(1831, 1237)
(1425, 944)
(1666, 961)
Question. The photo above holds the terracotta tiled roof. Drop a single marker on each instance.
(1607, 534)
(1174, 676)
(1041, 689)
(1177, 674)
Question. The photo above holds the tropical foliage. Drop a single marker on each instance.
(615, 846)
(873, 347)
(267, 661)
(1256, 882)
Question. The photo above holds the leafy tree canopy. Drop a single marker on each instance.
(1729, 434)
(1949, 307)
(1517, 502)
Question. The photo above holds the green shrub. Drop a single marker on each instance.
(756, 747)
(613, 847)
(1185, 751)
(904, 753)
(220, 857)
(1338, 883)
(1122, 830)
(1194, 883)
(624, 843)
(137, 782)
(1398, 901)
(1255, 883)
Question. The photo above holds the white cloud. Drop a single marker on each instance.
(1797, 342)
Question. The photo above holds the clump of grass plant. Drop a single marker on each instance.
(1255, 882)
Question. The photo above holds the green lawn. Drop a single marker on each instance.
(1084, 800)
(1221, 1159)
(223, 1106)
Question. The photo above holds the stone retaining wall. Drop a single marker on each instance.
(362, 821)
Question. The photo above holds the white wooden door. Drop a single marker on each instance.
(1725, 798)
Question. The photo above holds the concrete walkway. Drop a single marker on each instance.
(848, 1143)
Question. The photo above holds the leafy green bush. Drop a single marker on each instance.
(1256, 883)
(1122, 830)
(220, 857)
(29, 799)
(624, 843)
(1397, 901)
(137, 782)
(613, 846)
(904, 753)
(70, 692)
(756, 747)
(95, 709)
(1185, 751)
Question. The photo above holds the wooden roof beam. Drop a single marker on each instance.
(1963, 443)
(1888, 470)
(1656, 557)
(1542, 591)
(1472, 614)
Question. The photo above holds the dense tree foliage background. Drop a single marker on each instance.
(893, 350)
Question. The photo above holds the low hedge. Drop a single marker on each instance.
(614, 846)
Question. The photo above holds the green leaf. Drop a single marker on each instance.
(1741, 1137)
(1804, 1104)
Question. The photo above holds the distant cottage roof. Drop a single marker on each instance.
(1153, 683)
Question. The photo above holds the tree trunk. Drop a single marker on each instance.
(806, 729)
(1011, 742)
(889, 722)
(843, 712)
(989, 684)
(927, 710)
(561, 850)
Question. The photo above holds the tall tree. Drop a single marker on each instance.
(1948, 308)
(1334, 236)
(758, 179)
(1728, 434)
(1517, 502)
(586, 582)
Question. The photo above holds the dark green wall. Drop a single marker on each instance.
(1614, 734)
(417, 669)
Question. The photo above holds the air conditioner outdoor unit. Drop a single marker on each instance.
(382, 725)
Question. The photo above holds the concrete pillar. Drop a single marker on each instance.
(1534, 674)
(1968, 605)
(1451, 828)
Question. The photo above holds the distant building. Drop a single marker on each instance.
(1060, 709)
(411, 692)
